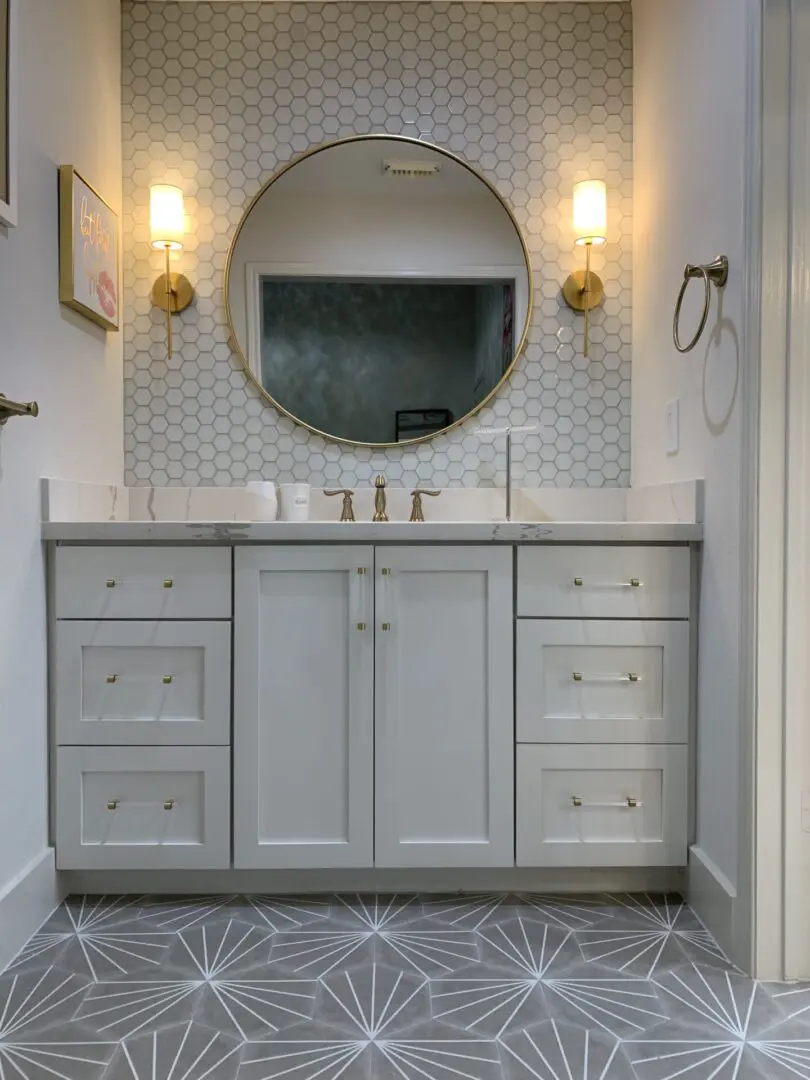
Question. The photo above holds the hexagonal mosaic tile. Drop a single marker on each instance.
(216, 96)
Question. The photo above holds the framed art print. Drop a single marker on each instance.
(8, 113)
(88, 251)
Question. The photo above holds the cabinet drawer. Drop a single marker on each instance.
(143, 583)
(571, 582)
(152, 683)
(594, 681)
(141, 808)
(601, 805)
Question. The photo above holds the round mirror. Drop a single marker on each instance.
(378, 290)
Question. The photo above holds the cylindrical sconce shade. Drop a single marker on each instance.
(590, 212)
(166, 217)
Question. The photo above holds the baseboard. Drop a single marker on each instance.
(712, 897)
(201, 882)
(26, 902)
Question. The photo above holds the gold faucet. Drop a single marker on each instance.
(379, 500)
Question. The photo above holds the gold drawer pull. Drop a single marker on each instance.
(110, 583)
(168, 583)
(578, 582)
(635, 583)
(167, 679)
(361, 570)
(169, 804)
(631, 802)
(361, 626)
(576, 676)
(632, 676)
(575, 799)
(112, 678)
(386, 571)
(113, 804)
(386, 626)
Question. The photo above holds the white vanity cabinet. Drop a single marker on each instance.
(304, 707)
(444, 707)
(373, 707)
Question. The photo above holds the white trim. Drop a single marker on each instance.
(255, 271)
(9, 210)
(492, 880)
(761, 862)
(713, 897)
(26, 902)
(797, 578)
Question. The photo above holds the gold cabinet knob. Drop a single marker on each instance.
(361, 626)
(110, 583)
(112, 678)
(631, 802)
(169, 804)
(632, 676)
(167, 679)
(113, 804)
(386, 571)
(575, 799)
(168, 583)
(635, 583)
(576, 676)
(578, 582)
(361, 570)
(386, 626)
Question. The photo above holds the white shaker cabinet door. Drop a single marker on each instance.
(444, 707)
(303, 707)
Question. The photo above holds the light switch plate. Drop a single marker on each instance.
(672, 437)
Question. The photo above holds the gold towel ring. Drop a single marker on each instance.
(716, 272)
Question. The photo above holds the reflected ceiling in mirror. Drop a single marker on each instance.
(378, 290)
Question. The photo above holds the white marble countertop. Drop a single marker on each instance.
(281, 532)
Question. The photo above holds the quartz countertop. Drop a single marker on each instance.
(458, 532)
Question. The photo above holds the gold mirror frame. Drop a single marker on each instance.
(407, 140)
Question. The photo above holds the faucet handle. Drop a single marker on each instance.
(347, 513)
(416, 508)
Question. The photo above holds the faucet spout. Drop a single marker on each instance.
(380, 504)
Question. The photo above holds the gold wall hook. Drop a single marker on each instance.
(10, 408)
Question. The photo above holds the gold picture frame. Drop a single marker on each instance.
(89, 251)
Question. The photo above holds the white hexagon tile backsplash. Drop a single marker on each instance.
(216, 96)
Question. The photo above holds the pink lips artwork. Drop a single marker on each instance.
(107, 295)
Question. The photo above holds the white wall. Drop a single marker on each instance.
(69, 64)
(690, 143)
(383, 232)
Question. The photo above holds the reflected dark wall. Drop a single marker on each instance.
(345, 356)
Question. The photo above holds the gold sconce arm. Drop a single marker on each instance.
(583, 291)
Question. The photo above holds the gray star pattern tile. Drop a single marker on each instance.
(216, 97)
(482, 987)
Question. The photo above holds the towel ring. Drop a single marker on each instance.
(716, 272)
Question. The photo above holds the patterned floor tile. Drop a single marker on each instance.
(32, 1002)
(467, 911)
(721, 1004)
(569, 912)
(426, 1052)
(277, 913)
(374, 1000)
(223, 950)
(49, 1059)
(183, 1052)
(555, 1051)
(176, 913)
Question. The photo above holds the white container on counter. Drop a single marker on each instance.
(294, 502)
(264, 499)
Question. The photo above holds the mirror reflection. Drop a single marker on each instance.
(378, 290)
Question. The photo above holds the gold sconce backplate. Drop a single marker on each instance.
(182, 293)
(574, 290)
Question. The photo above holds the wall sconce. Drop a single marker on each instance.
(584, 290)
(171, 292)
